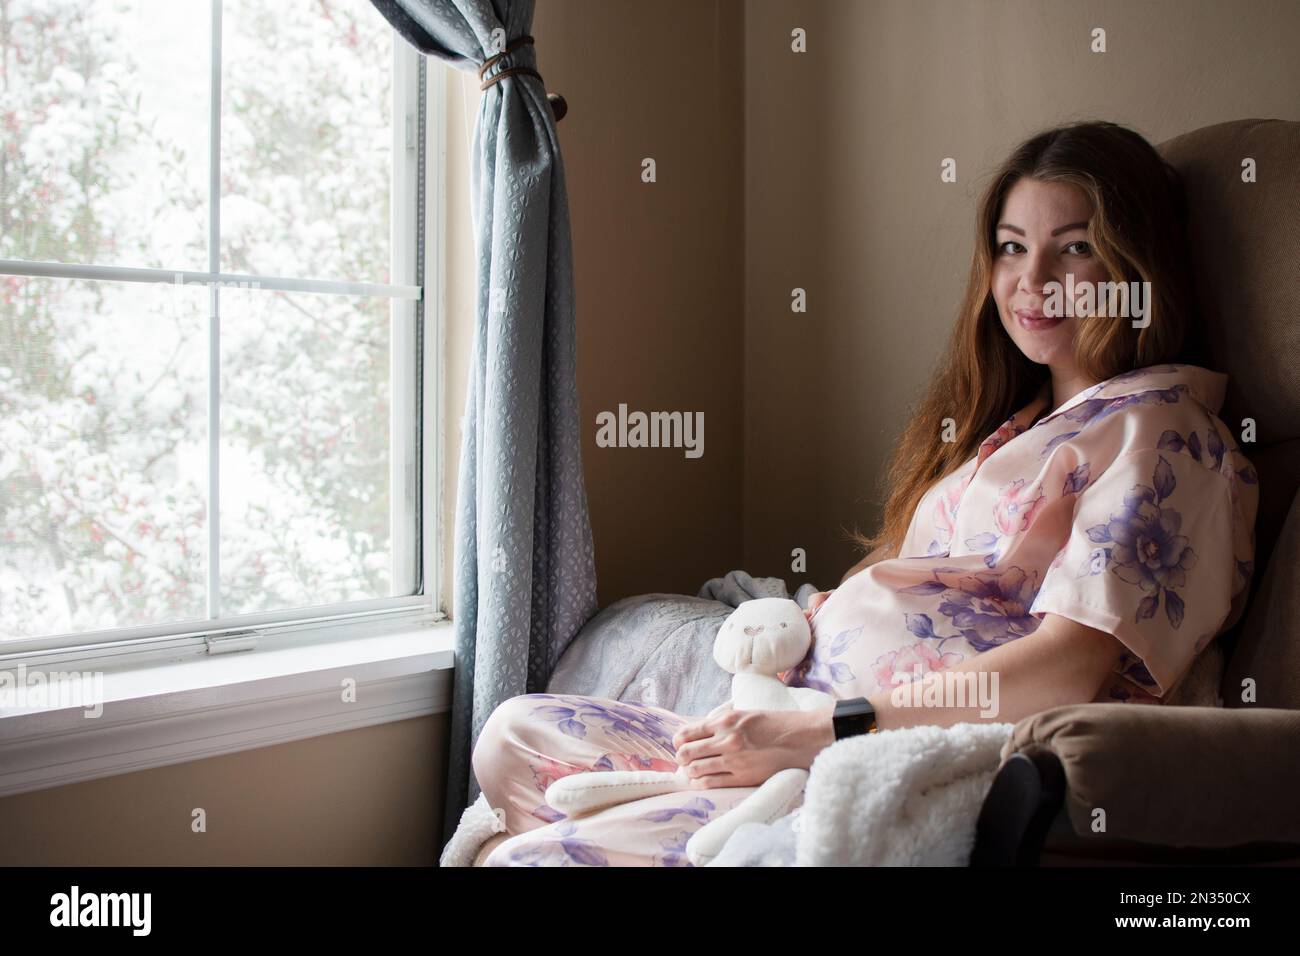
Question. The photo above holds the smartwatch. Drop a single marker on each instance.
(854, 716)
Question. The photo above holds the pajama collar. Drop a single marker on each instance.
(1204, 385)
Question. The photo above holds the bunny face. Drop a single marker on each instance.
(762, 636)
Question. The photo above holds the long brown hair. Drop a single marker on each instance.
(1137, 231)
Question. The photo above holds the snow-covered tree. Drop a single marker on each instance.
(103, 385)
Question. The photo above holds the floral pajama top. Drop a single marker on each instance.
(1129, 509)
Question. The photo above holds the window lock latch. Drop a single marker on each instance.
(233, 641)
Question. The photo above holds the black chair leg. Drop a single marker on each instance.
(1028, 792)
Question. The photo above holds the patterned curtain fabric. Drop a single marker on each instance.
(525, 576)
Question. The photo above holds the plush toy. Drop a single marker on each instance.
(760, 639)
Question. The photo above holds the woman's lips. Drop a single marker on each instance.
(1036, 321)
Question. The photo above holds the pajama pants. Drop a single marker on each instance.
(531, 740)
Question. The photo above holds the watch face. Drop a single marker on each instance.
(854, 707)
(852, 717)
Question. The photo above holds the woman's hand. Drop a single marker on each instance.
(742, 748)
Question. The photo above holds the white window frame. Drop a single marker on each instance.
(117, 646)
(167, 701)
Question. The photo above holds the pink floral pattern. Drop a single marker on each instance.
(546, 772)
(1015, 507)
(913, 662)
(515, 745)
(944, 515)
(620, 761)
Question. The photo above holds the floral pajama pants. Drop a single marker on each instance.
(531, 740)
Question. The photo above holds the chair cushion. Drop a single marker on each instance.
(1267, 651)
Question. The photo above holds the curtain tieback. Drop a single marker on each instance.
(558, 106)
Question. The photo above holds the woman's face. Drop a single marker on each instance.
(1041, 237)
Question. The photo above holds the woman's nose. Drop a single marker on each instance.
(1036, 276)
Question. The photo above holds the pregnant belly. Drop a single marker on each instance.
(862, 644)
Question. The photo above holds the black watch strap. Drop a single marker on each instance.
(854, 716)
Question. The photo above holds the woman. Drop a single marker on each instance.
(1066, 513)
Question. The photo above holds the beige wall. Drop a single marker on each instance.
(775, 170)
(657, 270)
(369, 797)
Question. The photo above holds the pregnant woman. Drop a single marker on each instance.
(1065, 512)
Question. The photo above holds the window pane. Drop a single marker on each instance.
(306, 496)
(306, 139)
(103, 458)
(104, 111)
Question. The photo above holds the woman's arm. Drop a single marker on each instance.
(877, 555)
(1062, 662)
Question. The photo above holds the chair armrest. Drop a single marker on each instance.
(1174, 776)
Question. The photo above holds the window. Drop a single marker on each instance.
(211, 321)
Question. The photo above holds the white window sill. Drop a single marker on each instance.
(169, 712)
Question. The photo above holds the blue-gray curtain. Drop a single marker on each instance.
(525, 576)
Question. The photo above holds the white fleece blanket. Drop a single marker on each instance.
(907, 797)
(477, 824)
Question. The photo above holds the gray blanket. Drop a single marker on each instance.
(657, 649)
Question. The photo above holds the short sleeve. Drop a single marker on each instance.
(1153, 558)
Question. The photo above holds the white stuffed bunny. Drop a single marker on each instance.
(760, 639)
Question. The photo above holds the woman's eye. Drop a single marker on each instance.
(1084, 249)
(1003, 250)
